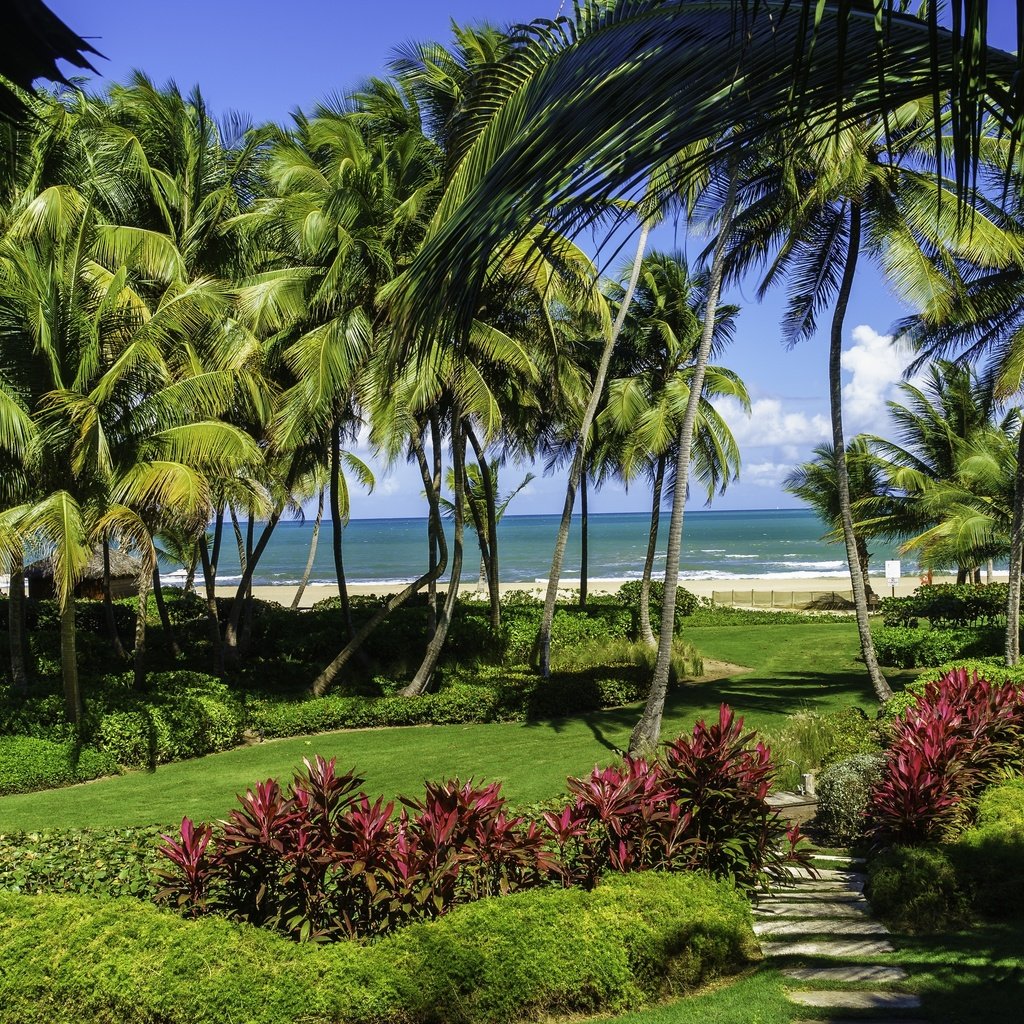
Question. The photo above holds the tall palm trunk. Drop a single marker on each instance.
(337, 527)
(16, 625)
(1016, 554)
(646, 633)
(643, 741)
(543, 645)
(247, 607)
(323, 682)
(69, 662)
(835, 381)
(490, 545)
(425, 673)
(584, 543)
(165, 619)
(108, 607)
(212, 617)
(218, 534)
(139, 663)
(304, 582)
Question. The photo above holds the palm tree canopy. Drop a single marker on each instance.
(592, 107)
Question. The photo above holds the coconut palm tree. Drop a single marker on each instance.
(816, 484)
(646, 402)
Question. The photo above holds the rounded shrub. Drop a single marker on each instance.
(844, 789)
(27, 764)
(918, 889)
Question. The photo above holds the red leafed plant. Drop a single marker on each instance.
(319, 861)
(960, 734)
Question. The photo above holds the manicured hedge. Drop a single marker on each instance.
(904, 647)
(633, 939)
(27, 764)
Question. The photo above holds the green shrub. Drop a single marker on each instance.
(633, 939)
(918, 889)
(83, 861)
(902, 647)
(724, 615)
(843, 791)
(27, 764)
(990, 856)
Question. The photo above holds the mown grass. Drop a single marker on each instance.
(792, 667)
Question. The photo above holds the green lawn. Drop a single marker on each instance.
(792, 667)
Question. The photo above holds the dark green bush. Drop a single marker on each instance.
(918, 889)
(545, 952)
(82, 861)
(903, 647)
(990, 856)
(27, 764)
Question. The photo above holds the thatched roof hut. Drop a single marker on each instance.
(124, 576)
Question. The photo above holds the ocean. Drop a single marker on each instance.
(718, 545)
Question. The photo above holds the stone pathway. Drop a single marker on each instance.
(822, 933)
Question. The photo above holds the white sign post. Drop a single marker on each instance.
(892, 574)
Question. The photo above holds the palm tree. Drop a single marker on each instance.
(934, 423)
(816, 484)
(647, 400)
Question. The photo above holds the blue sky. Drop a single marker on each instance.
(267, 57)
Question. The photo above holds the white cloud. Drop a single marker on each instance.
(770, 424)
(766, 474)
(875, 366)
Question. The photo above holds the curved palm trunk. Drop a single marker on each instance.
(69, 663)
(139, 661)
(108, 607)
(584, 543)
(231, 628)
(646, 633)
(165, 619)
(433, 525)
(835, 380)
(543, 645)
(16, 625)
(323, 682)
(304, 582)
(190, 573)
(643, 741)
(337, 528)
(218, 535)
(425, 673)
(490, 561)
(1016, 553)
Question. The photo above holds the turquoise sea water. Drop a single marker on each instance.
(740, 545)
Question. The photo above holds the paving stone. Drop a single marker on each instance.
(828, 947)
(828, 895)
(857, 1000)
(818, 926)
(824, 874)
(850, 973)
(818, 909)
(833, 857)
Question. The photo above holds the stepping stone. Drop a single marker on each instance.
(833, 857)
(819, 926)
(829, 896)
(852, 973)
(830, 948)
(857, 1000)
(820, 909)
(824, 874)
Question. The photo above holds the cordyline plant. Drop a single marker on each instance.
(320, 861)
(704, 807)
(960, 735)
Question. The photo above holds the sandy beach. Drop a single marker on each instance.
(765, 592)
